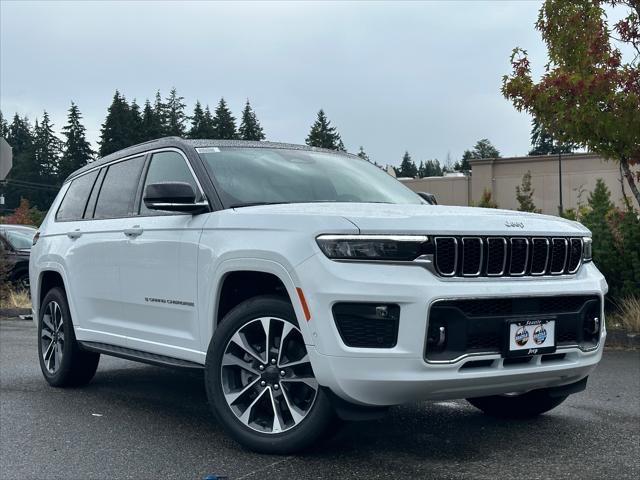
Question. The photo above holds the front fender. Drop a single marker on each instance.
(210, 285)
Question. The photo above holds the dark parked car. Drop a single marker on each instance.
(15, 248)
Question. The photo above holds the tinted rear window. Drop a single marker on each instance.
(75, 200)
(119, 188)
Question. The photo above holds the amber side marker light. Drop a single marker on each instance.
(305, 307)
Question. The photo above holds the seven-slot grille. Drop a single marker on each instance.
(514, 256)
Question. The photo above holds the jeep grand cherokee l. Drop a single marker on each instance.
(309, 285)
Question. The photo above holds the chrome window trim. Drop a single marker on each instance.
(526, 256)
(142, 154)
(455, 256)
(477, 274)
(504, 255)
(203, 195)
(566, 251)
(546, 258)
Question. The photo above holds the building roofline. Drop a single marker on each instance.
(529, 158)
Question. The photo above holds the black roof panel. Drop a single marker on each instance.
(182, 143)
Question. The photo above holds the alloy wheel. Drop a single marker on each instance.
(266, 376)
(52, 337)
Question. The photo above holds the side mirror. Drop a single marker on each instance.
(173, 197)
(430, 198)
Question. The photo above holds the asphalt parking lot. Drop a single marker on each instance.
(144, 422)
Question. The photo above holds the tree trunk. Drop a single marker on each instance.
(624, 162)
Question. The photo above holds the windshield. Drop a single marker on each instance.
(20, 240)
(249, 176)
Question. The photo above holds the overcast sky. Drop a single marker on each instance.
(391, 76)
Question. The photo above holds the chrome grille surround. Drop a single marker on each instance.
(507, 256)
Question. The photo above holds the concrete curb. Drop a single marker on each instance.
(14, 313)
(617, 338)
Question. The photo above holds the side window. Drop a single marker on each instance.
(118, 189)
(166, 167)
(75, 200)
(91, 204)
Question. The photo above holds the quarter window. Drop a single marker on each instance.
(166, 167)
(118, 189)
(75, 200)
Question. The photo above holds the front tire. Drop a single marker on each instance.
(62, 362)
(527, 405)
(259, 380)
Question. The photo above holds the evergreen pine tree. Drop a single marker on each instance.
(484, 149)
(197, 122)
(597, 220)
(208, 128)
(151, 126)
(135, 124)
(250, 128)
(543, 143)
(224, 123)
(323, 135)
(524, 195)
(25, 167)
(464, 165)
(432, 168)
(160, 109)
(115, 134)
(77, 151)
(4, 127)
(407, 167)
(47, 149)
(175, 116)
(20, 137)
(363, 155)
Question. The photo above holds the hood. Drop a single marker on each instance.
(373, 218)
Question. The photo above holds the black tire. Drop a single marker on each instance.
(319, 422)
(76, 367)
(527, 405)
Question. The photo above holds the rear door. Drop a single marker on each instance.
(159, 267)
(96, 255)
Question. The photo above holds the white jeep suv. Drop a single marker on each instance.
(309, 285)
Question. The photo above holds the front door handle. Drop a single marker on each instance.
(75, 234)
(135, 231)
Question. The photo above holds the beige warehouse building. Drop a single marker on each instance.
(501, 176)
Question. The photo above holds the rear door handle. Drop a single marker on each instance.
(75, 234)
(133, 232)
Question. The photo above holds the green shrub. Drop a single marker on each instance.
(486, 201)
(616, 242)
(524, 195)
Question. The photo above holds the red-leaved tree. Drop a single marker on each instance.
(589, 94)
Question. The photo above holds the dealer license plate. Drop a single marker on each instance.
(530, 337)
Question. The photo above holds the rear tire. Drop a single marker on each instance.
(527, 405)
(62, 362)
(263, 392)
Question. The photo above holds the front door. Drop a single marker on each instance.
(159, 268)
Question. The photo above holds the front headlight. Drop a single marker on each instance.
(399, 248)
(587, 249)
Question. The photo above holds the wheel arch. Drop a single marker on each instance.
(51, 275)
(277, 280)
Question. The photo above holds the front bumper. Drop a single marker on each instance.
(389, 376)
